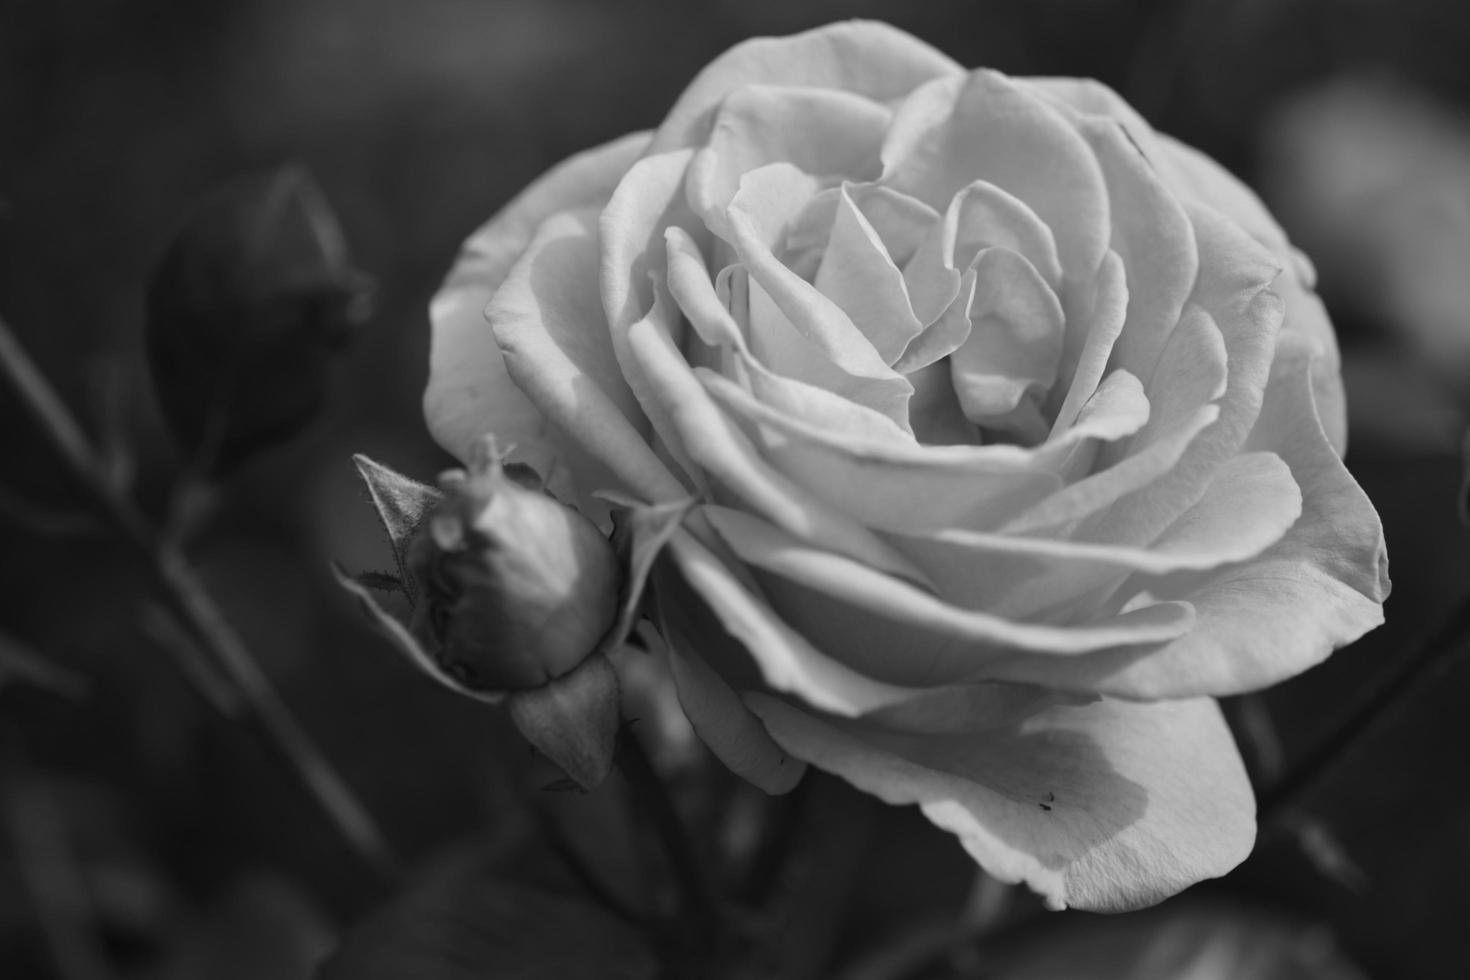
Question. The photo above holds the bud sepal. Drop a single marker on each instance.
(573, 720)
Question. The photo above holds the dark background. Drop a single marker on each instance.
(419, 119)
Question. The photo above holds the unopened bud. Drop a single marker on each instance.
(515, 589)
(246, 309)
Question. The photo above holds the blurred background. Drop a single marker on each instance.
(175, 848)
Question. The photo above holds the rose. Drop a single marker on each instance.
(1014, 428)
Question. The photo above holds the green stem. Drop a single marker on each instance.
(186, 599)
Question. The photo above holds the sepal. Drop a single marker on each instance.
(402, 504)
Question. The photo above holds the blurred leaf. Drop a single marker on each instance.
(464, 923)
(264, 928)
(1394, 404)
(1181, 940)
(1372, 176)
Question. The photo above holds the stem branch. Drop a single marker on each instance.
(186, 598)
(1428, 662)
(651, 795)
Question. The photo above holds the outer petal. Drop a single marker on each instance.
(1321, 586)
(863, 57)
(888, 630)
(713, 708)
(1235, 274)
(1106, 806)
(786, 660)
(1153, 235)
(1193, 175)
(548, 320)
(1249, 507)
(468, 392)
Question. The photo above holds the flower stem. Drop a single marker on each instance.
(1428, 662)
(186, 599)
(698, 910)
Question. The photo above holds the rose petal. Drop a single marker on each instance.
(854, 459)
(1321, 586)
(1306, 318)
(818, 131)
(956, 130)
(1091, 96)
(863, 57)
(961, 709)
(468, 392)
(901, 221)
(1251, 504)
(877, 480)
(1057, 514)
(647, 202)
(1192, 370)
(1152, 234)
(1105, 806)
(1235, 273)
(858, 275)
(1194, 175)
(547, 319)
(950, 327)
(979, 216)
(715, 445)
(934, 410)
(897, 634)
(786, 660)
(715, 711)
(1100, 320)
(1200, 180)
(1004, 368)
(768, 199)
(1117, 409)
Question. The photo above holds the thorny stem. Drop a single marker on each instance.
(1430, 661)
(186, 598)
(651, 795)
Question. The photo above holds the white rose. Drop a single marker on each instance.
(1014, 428)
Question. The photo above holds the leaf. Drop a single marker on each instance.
(402, 504)
(464, 923)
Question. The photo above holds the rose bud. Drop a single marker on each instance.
(245, 311)
(516, 593)
(517, 588)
